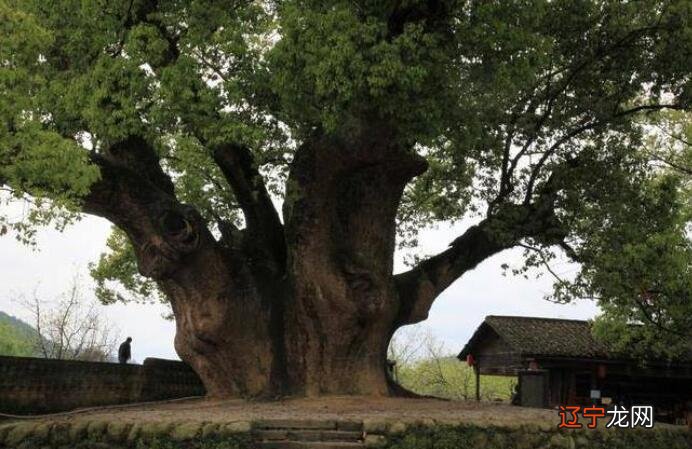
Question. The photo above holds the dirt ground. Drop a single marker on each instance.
(325, 408)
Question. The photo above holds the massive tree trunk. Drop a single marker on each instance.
(340, 232)
(303, 307)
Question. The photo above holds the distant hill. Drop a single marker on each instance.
(16, 336)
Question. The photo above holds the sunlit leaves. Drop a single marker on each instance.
(49, 165)
(337, 66)
(146, 45)
(22, 38)
(118, 99)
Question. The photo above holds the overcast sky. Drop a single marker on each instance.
(453, 318)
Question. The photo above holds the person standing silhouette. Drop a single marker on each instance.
(125, 352)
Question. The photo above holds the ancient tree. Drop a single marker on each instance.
(260, 161)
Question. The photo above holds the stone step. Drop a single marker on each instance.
(282, 424)
(307, 435)
(295, 424)
(308, 445)
(350, 425)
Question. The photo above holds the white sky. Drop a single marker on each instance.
(453, 318)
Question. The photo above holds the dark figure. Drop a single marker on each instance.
(125, 352)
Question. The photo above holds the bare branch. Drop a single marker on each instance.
(545, 262)
(580, 130)
(67, 331)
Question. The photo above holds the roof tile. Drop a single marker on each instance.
(547, 336)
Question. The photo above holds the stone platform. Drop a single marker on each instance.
(324, 423)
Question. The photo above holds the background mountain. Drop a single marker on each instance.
(16, 336)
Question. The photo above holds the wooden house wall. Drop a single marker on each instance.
(494, 356)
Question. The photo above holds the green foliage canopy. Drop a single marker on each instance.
(508, 101)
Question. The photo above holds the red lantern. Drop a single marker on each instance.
(470, 360)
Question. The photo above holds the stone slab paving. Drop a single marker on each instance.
(335, 408)
(315, 434)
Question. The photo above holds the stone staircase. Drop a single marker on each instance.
(307, 434)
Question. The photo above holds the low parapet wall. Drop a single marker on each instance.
(32, 385)
(325, 434)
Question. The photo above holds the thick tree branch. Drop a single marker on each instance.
(130, 176)
(420, 286)
(263, 222)
(504, 228)
(137, 196)
(139, 156)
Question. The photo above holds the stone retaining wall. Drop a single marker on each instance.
(89, 434)
(33, 386)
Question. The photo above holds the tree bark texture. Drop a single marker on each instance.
(306, 306)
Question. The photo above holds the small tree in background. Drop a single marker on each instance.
(71, 327)
(424, 365)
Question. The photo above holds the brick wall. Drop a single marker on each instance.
(32, 385)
